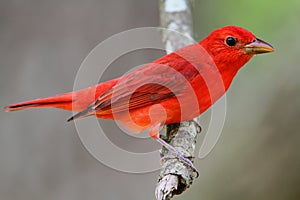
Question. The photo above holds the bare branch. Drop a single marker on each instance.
(175, 176)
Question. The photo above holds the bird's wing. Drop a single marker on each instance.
(164, 78)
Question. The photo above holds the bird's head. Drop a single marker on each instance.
(232, 46)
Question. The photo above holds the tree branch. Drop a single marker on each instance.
(175, 176)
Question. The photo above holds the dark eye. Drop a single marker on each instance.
(230, 41)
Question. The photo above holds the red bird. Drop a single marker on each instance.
(177, 87)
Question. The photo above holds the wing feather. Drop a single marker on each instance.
(164, 78)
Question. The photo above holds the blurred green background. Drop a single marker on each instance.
(42, 44)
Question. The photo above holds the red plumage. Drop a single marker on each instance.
(182, 84)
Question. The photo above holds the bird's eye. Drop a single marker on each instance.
(230, 41)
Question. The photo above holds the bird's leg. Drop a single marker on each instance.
(154, 133)
(179, 155)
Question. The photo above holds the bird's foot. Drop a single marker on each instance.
(179, 155)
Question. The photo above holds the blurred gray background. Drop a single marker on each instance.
(42, 44)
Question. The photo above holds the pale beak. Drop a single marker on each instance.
(257, 47)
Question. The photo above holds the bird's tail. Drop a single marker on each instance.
(63, 101)
(76, 101)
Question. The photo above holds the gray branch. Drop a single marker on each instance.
(175, 177)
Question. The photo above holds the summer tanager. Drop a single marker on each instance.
(177, 87)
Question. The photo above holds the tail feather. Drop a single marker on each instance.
(62, 101)
(76, 101)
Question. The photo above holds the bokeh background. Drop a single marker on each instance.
(42, 44)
